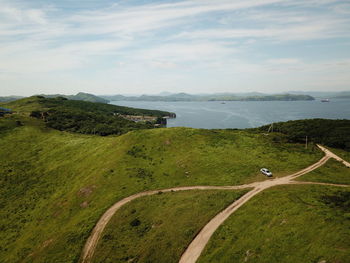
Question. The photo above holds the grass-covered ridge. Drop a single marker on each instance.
(55, 185)
(158, 228)
(304, 223)
(85, 117)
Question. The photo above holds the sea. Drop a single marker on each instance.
(243, 114)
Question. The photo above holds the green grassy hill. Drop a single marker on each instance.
(55, 185)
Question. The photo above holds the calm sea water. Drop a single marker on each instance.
(244, 114)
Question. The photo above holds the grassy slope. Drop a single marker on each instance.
(332, 172)
(168, 222)
(55, 185)
(273, 228)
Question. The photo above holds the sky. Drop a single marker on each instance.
(193, 46)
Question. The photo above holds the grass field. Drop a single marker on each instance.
(332, 172)
(304, 223)
(158, 228)
(55, 185)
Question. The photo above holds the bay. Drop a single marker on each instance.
(243, 114)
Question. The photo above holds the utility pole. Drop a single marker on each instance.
(306, 142)
(270, 128)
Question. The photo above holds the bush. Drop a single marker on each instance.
(35, 114)
(333, 133)
(92, 118)
(135, 222)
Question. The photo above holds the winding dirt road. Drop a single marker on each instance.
(96, 233)
(196, 247)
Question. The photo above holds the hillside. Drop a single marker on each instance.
(86, 117)
(55, 185)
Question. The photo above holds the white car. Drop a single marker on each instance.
(266, 172)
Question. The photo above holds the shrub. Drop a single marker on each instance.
(135, 222)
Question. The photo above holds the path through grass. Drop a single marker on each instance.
(304, 223)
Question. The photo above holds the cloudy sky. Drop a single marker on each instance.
(194, 46)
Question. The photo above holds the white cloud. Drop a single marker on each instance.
(185, 51)
(308, 31)
(214, 37)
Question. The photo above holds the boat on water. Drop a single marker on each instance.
(325, 100)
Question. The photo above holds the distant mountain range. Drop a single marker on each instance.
(212, 97)
(9, 98)
(167, 96)
(79, 96)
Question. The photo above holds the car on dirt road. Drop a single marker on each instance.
(266, 172)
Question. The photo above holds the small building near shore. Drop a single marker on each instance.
(4, 111)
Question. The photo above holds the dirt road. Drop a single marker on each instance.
(96, 233)
(196, 247)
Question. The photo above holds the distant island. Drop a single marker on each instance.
(213, 97)
(324, 94)
(172, 97)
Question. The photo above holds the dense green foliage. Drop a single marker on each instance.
(85, 117)
(158, 228)
(333, 133)
(304, 223)
(81, 121)
(55, 185)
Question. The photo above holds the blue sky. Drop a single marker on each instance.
(194, 46)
